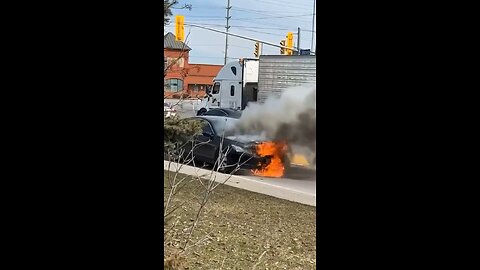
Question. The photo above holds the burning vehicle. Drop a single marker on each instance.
(274, 96)
(277, 153)
(218, 145)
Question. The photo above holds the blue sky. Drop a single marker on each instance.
(268, 20)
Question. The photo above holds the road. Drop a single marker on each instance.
(298, 178)
(299, 185)
(184, 108)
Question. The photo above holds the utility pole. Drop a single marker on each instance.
(298, 41)
(313, 25)
(227, 27)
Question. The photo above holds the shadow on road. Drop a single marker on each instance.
(300, 173)
(293, 172)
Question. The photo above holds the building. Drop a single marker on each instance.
(181, 78)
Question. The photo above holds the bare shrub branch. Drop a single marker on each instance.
(179, 157)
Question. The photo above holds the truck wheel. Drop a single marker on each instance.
(201, 111)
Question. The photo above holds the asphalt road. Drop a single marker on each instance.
(301, 189)
(300, 179)
(297, 178)
(184, 108)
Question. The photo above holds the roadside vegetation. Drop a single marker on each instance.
(237, 229)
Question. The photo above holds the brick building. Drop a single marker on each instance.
(182, 78)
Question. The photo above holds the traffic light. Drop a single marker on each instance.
(179, 27)
(290, 43)
(257, 49)
(282, 50)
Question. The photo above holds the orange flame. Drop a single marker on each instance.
(274, 150)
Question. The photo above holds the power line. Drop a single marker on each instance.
(278, 29)
(278, 26)
(261, 25)
(241, 26)
(203, 22)
(255, 27)
(268, 28)
(256, 11)
(268, 24)
(208, 24)
(259, 18)
(208, 7)
(285, 4)
(261, 32)
(275, 17)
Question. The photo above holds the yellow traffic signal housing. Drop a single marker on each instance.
(290, 43)
(282, 50)
(179, 28)
(257, 49)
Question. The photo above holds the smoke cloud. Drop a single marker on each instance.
(290, 117)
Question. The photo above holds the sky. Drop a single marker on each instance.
(267, 20)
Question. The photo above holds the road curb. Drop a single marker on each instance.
(238, 181)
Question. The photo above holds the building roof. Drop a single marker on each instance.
(203, 70)
(169, 42)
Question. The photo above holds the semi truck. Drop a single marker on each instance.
(254, 80)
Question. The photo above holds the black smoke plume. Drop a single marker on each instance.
(290, 117)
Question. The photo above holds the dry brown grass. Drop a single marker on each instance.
(239, 229)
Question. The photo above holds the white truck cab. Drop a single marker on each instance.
(235, 85)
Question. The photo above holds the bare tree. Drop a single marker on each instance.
(168, 5)
(167, 10)
(178, 156)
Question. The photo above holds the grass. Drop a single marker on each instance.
(244, 230)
